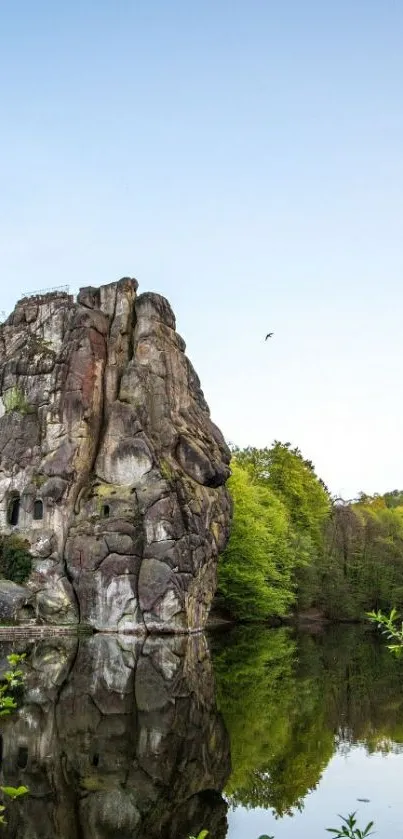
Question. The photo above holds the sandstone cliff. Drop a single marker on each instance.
(109, 462)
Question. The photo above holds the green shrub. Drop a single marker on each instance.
(15, 559)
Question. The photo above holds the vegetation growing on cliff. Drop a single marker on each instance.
(15, 400)
(294, 547)
(15, 558)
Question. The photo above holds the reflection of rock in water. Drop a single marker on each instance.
(118, 739)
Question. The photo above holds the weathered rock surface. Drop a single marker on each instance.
(15, 600)
(109, 462)
(117, 737)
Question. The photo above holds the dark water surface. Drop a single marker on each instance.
(247, 732)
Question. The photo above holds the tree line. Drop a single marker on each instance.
(295, 548)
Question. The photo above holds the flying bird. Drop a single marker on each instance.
(269, 335)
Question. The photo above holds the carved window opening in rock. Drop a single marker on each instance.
(27, 614)
(22, 757)
(13, 512)
(38, 510)
(106, 511)
(95, 760)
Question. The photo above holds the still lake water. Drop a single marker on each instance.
(247, 732)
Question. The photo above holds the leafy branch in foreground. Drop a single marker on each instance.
(14, 792)
(11, 680)
(349, 829)
(389, 626)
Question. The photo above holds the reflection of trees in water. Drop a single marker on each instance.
(123, 741)
(288, 704)
(363, 686)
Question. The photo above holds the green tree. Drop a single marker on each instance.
(394, 498)
(361, 567)
(294, 481)
(293, 547)
(256, 569)
(279, 508)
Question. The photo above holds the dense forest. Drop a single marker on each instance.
(294, 548)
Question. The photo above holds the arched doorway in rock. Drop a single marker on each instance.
(22, 757)
(38, 509)
(13, 512)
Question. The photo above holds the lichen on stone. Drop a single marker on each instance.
(15, 400)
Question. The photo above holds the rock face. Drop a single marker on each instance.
(109, 462)
(14, 601)
(117, 737)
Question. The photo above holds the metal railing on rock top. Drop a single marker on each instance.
(61, 289)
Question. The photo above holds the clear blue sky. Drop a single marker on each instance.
(245, 159)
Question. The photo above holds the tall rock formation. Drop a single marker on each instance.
(110, 464)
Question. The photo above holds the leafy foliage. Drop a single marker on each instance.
(15, 558)
(12, 679)
(361, 567)
(293, 480)
(255, 572)
(279, 508)
(14, 792)
(388, 624)
(393, 499)
(292, 546)
(349, 830)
